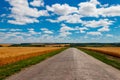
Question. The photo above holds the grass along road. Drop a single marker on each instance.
(110, 60)
(10, 69)
(114, 51)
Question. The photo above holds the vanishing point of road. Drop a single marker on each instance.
(71, 64)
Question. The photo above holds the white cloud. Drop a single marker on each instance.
(33, 32)
(20, 20)
(20, 37)
(65, 34)
(94, 33)
(30, 29)
(111, 11)
(23, 14)
(86, 9)
(46, 31)
(11, 37)
(100, 23)
(15, 30)
(65, 30)
(75, 18)
(63, 9)
(81, 29)
(15, 34)
(3, 29)
(109, 35)
(2, 15)
(52, 21)
(37, 3)
(103, 29)
(89, 8)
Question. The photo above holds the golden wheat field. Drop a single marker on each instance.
(114, 51)
(14, 54)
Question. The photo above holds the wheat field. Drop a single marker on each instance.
(14, 54)
(114, 51)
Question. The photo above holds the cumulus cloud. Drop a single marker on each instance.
(86, 9)
(37, 3)
(73, 18)
(23, 14)
(81, 29)
(103, 29)
(65, 30)
(99, 23)
(89, 8)
(94, 33)
(70, 14)
(111, 11)
(33, 32)
(14, 30)
(63, 9)
(28, 37)
(46, 31)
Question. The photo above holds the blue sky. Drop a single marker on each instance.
(59, 21)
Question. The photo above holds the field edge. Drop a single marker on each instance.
(114, 62)
(10, 69)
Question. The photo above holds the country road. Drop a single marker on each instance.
(71, 64)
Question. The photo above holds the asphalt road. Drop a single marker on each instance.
(71, 64)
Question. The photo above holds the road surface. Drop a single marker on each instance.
(71, 64)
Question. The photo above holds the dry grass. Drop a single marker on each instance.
(14, 54)
(114, 51)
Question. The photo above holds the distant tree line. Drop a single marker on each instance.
(95, 44)
(70, 45)
(26, 45)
